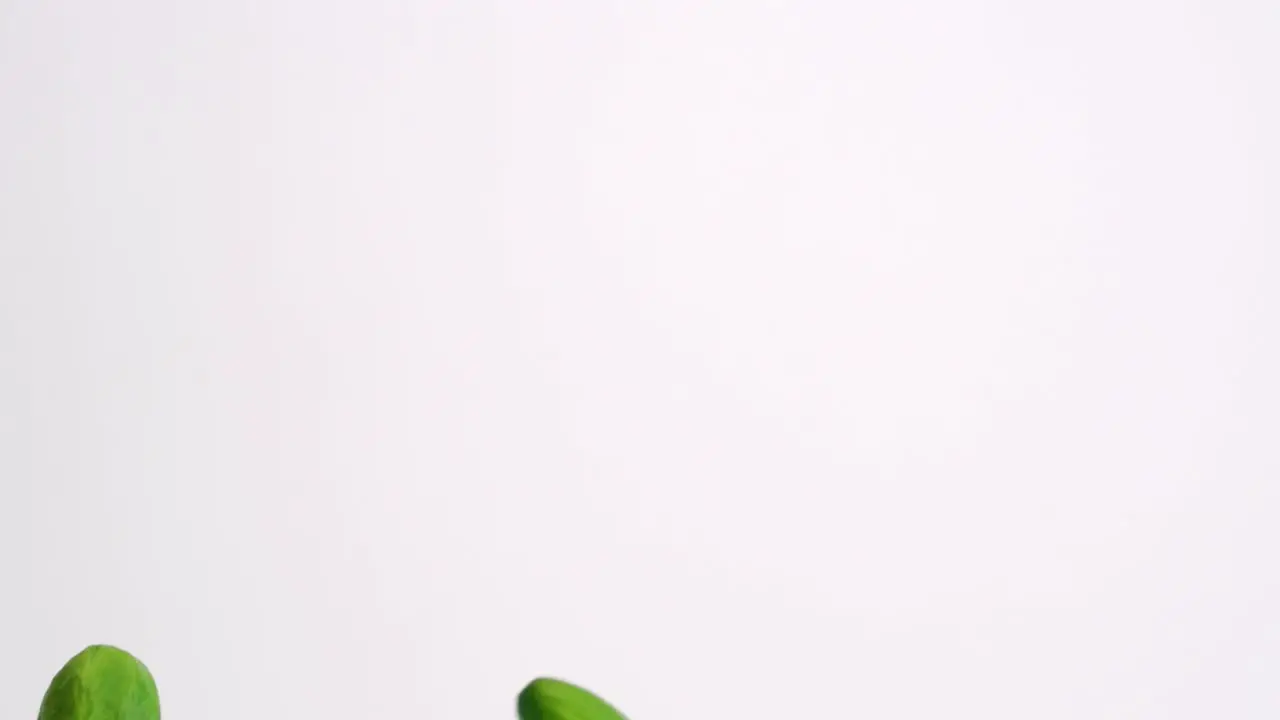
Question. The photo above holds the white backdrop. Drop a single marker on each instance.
(735, 359)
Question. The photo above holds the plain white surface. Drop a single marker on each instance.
(734, 359)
